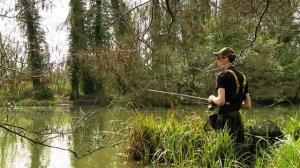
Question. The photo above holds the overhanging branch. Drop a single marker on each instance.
(170, 23)
(256, 28)
(113, 22)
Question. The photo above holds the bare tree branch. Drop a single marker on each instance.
(170, 23)
(113, 22)
(171, 14)
(256, 29)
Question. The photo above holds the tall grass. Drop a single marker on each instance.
(178, 142)
(287, 152)
(286, 155)
(182, 142)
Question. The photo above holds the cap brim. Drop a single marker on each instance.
(216, 53)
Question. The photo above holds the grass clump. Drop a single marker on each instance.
(178, 142)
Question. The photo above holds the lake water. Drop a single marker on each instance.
(84, 129)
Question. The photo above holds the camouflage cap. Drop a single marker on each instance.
(227, 52)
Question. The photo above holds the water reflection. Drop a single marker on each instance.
(58, 158)
(13, 152)
(81, 130)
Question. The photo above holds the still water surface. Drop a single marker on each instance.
(83, 130)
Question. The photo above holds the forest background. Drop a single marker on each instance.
(117, 49)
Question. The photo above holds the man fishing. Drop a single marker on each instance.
(232, 95)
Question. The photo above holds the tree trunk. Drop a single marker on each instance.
(77, 44)
(30, 20)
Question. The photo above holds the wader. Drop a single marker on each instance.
(231, 121)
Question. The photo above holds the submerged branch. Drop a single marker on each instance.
(101, 147)
(43, 143)
(37, 141)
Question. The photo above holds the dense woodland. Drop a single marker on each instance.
(118, 48)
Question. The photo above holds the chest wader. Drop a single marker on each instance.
(229, 116)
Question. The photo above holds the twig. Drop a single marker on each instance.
(280, 101)
(170, 23)
(113, 22)
(37, 142)
(171, 14)
(256, 29)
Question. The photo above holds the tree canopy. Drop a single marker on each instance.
(117, 49)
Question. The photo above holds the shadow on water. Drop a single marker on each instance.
(82, 130)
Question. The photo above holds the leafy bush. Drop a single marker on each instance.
(43, 94)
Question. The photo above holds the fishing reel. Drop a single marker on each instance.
(212, 107)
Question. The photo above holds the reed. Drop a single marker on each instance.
(182, 142)
(178, 142)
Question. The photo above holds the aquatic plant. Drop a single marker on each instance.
(182, 142)
(178, 142)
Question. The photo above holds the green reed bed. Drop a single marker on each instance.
(179, 142)
(183, 143)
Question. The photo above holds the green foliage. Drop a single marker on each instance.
(170, 50)
(44, 93)
(271, 65)
(272, 79)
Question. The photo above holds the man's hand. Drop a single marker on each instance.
(211, 99)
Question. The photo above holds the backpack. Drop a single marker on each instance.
(262, 135)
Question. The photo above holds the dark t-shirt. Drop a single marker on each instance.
(227, 81)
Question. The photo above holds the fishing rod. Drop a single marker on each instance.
(211, 107)
(178, 95)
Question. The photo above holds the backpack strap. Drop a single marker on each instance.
(237, 81)
(244, 83)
